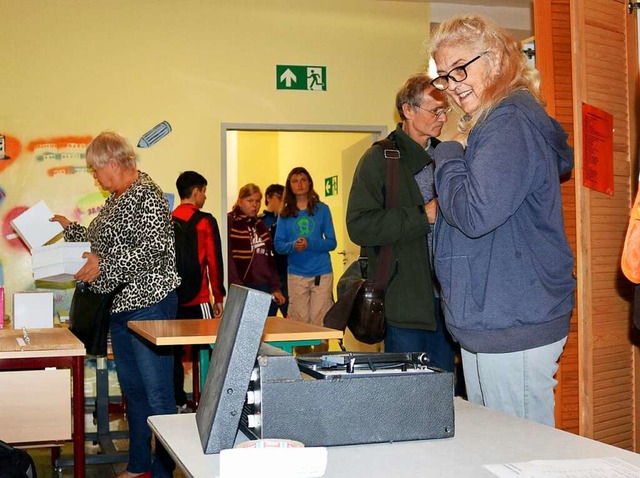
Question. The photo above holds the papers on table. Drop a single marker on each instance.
(587, 468)
(273, 462)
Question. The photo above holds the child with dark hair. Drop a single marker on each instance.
(273, 202)
(192, 188)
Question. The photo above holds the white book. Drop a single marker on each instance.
(32, 310)
(58, 262)
(33, 225)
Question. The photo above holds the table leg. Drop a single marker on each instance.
(204, 365)
(195, 374)
(78, 417)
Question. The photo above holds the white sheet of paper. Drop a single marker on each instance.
(587, 468)
(273, 462)
(34, 227)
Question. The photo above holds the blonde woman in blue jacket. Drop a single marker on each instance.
(502, 256)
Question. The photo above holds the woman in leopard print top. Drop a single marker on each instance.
(132, 242)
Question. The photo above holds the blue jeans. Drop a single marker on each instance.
(517, 383)
(145, 373)
(438, 344)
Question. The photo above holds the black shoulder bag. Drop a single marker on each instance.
(361, 305)
(89, 317)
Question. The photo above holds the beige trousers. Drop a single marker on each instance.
(309, 302)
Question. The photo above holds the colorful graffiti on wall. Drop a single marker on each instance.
(51, 169)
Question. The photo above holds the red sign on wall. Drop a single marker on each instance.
(597, 149)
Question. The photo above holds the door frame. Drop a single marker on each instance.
(376, 131)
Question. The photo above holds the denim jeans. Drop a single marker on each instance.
(145, 373)
(438, 344)
(517, 383)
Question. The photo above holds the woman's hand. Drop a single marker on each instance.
(300, 244)
(91, 270)
(64, 222)
(278, 298)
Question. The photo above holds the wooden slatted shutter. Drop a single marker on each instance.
(585, 50)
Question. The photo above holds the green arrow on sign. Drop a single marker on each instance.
(301, 77)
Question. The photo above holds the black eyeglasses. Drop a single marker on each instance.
(438, 112)
(457, 74)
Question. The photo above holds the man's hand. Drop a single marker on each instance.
(217, 310)
(279, 298)
(431, 208)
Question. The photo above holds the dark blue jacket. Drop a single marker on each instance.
(502, 256)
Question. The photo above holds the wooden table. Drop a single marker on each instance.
(283, 333)
(36, 403)
(483, 436)
(205, 331)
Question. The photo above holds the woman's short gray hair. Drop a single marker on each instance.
(108, 146)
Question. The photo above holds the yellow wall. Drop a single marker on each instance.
(77, 67)
(258, 159)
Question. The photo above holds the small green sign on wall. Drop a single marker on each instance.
(331, 186)
(301, 77)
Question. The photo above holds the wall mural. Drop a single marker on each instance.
(52, 169)
(154, 135)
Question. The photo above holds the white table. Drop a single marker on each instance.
(483, 436)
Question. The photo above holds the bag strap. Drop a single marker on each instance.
(392, 155)
(195, 218)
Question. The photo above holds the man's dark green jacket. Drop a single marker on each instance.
(409, 293)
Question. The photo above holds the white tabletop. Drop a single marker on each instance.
(482, 437)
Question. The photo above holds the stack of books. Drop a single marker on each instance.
(57, 262)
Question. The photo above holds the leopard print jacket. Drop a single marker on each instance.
(133, 237)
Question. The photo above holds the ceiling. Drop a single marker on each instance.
(514, 15)
(487, 3)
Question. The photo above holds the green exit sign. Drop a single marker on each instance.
(301, 77)
(331, 186)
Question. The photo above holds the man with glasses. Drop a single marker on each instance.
(414, 320)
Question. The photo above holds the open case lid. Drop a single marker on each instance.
(232, 362)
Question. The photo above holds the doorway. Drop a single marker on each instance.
(265, 153)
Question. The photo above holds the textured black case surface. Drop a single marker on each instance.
(232, 361)
(384, 408)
